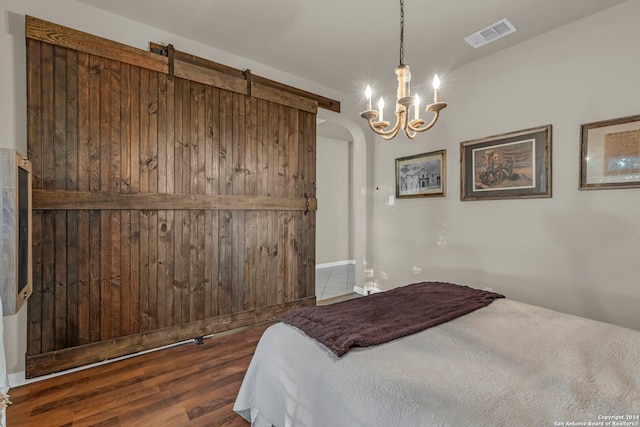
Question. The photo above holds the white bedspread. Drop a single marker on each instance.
(508, 364)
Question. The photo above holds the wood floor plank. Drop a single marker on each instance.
(184, 385)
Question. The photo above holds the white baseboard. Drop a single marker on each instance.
(335, 263)
(359, 290)
(370, 290)
(17, 379)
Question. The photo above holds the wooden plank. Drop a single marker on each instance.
(133, 303)
(34, 110)
(322, 102)
(127, 104)
(262, 160)
(48, 181)
(178, 279)
(213, 78)
(56, 361)
(200, 178)
(225, 261)
(195, 137)
(71, 167)
(237, 265)
(212, 166)
(284, 98)
(60, 279)
(35, 304)
(169, 236)
(145, 162)
(79, 200)
(93, 179)
(35, 151)
(293, 150)
(207, 232)
(47, 177)
(162, 227)
(115, 178)
(238, 146)
(105, 186)
(124, 315)
(252, 146)
(153, 189)
(225, 224)
(185, 250)
(250, 247)
(251, 166)
(274, 189)
(238, 188)
(83, 184)
(58, 147)
(48, 283)
(58, 35)
(309, 132)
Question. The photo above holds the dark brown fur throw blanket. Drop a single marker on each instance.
(382, 317)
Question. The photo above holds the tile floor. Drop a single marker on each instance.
(335, 281)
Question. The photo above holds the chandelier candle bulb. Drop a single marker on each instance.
(436, 86)
(380, 109)
(367, 93)
(417, 107)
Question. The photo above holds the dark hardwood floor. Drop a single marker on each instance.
(185, 385)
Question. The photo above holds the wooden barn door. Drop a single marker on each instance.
(168, 204)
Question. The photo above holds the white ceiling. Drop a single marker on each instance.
(345, 44)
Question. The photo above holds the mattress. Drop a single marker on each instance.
(507, 364)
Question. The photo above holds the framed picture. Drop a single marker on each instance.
(610, 154)
(510, 166)
(422, 175)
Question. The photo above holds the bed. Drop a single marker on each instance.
(505, 364)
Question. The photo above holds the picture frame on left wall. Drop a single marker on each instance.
(422, 175)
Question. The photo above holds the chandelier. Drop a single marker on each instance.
(404, 101)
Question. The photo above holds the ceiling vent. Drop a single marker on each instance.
(491, 33)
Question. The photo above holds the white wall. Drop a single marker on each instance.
(333, 191)
(77, 15)
(576, 252)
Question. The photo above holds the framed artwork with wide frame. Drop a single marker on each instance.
(422, 175)
(513, 165)
(610, 154)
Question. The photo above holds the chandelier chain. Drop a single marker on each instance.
(401, 32)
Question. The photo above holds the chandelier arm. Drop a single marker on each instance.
(409, 133)
(436, 114)
(392, 135)
(393, 132)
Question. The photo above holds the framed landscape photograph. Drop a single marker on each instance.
(610, 154)
(422, 175)
(509, 166)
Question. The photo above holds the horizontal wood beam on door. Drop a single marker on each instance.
(235, 80)
(255, 80)
(84, 200)
(57, 35)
